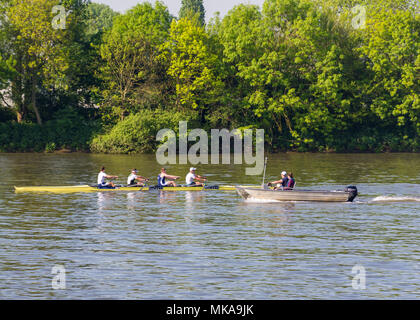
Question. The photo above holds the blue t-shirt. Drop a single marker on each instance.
(161, 181)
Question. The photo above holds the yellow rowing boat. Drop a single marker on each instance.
(87, 188)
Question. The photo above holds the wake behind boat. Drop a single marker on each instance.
(348, 195)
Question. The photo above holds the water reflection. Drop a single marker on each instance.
(194, 197)
(131, 201)
(135, 200)
(104, 201)
(188, 199)
(274, 218)
(167, 197)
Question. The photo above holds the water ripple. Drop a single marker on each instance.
(211, 245)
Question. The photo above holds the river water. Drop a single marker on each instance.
(211, 245)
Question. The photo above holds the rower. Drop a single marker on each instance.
(135, 180)
(194, 180)
(281, 183)
(102, 176)
(162, 179)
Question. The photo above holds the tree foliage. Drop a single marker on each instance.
(133, 71)
(317, 75)
(35, 56)
(193, 64)
(191, 9)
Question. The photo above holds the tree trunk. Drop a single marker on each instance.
(20, 116)
(18, 92)
(34, 106)
(18, 103)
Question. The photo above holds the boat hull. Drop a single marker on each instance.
(87, 189)
(294, 195)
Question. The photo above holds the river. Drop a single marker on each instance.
(211, 245)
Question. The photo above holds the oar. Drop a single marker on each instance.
(265, 167)
(144, 185)
(204, 184)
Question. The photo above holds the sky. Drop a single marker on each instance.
(212, 6)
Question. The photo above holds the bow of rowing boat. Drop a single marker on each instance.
(57, 189)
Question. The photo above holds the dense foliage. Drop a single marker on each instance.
(69, 130)
(137, 133)
(334, 75)
(193, 8)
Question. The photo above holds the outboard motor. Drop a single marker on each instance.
(352, 190)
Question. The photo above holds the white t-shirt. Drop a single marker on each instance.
(190, 178)
(132, 177)
(101, 177)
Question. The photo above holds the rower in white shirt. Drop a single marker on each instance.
(135, 180)
(102, 176)
(194, 180)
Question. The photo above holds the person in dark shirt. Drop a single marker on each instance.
(291, 182)
(282, 183)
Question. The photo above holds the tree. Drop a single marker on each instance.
(133, 72)
(5, 58)
(37, 54)
(392, 47)
(190, 8)
(34, 47)
(239, 35)
(99, 19)
(293, 63)
(84, 48)
(193, 65)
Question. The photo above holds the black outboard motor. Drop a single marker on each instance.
(352, 190)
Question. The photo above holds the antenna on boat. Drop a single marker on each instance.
(265, 167)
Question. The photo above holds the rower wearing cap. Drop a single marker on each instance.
(136, 180)
(194, 180)
(281, 183)
(162, 179)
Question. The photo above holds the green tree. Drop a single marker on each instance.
(392, 47)
(99, 19)
(95, 21)
(137, 133)
(191, 8)
(296, 68)
(6, 59)
(194, 66)
(37, 54)
(135, 76)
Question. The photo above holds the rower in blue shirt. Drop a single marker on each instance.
(162, 182)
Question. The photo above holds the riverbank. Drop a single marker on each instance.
(72, 132)
(83, 132)
(69, 151)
